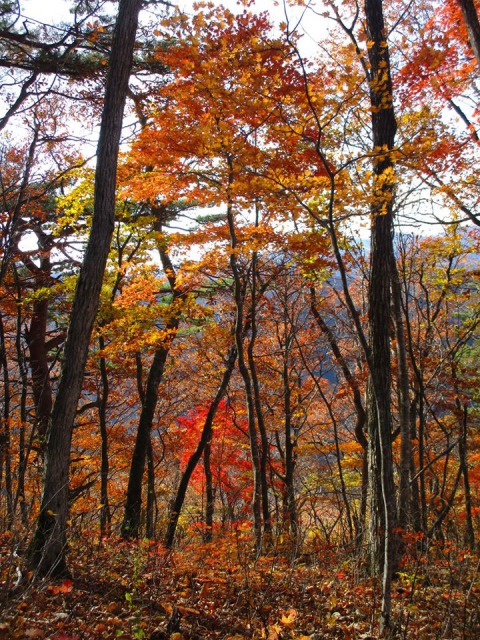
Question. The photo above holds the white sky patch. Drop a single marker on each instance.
(311, 26)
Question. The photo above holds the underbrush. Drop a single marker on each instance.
(222, 590)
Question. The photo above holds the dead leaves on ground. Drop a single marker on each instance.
(131, 591)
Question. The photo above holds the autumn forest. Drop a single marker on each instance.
(240, 320)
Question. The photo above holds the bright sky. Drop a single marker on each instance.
(59, 10)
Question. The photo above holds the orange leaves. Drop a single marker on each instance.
(439, 62)
(226, 110)
(65, 587)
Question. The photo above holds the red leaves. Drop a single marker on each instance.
(65, 587)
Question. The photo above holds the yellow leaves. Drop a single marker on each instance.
(383, 186)
(382, 44)
(288, 619)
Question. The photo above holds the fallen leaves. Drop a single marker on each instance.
(221, 593)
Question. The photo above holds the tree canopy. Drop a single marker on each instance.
(247, 323)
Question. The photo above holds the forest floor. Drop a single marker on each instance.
(218, 590)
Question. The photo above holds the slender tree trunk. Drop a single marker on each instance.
(406, 458)
(415, 507)
(242, 365)
(23, 452)
(47, 552)
(5, 453)
(422, 458)
(290, 503)
(264, 454)
(209, 492)
(361, 524)
(133, 503)
(205, 438)
(462, 454)
(102, 399)
(376, 512)
(36, 338)
(359, 410)
(151, 497)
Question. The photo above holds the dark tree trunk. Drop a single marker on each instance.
(359, 410)
(381, 259)
(23, 451)
(102, 399)
(376, 513)
(151, 497)
(133, 504)
(472, 23)
(462, 454)
(264, 453)
(42, 392)
(5, 454)
(205, 438)
(291, 523)
(405, 490)
(209, 492)
(47, 552)
(415, 507)
(36, 338)
(243, 368)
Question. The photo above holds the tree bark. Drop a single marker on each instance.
(133, 503)
(472, 23)
(384, 127)
(243, 368)
(406, 458)
(151, 497)
(5, 452)
(23, 451)
(264, 453)
(102, 399)
(205, 438)
(209, 492)
(47, 552)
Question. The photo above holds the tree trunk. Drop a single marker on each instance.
(5, 453)
(380, 282)
(264, 454)
(48, 547)
(242, 365)
(472, 23)
(359, 410)
(151, 497)
(133, 503)
(209, 492)
(197, 454)
(405, 489)
(102, 400)
(42, 391)
(291, 523)
(462, 454)
(23, 451)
